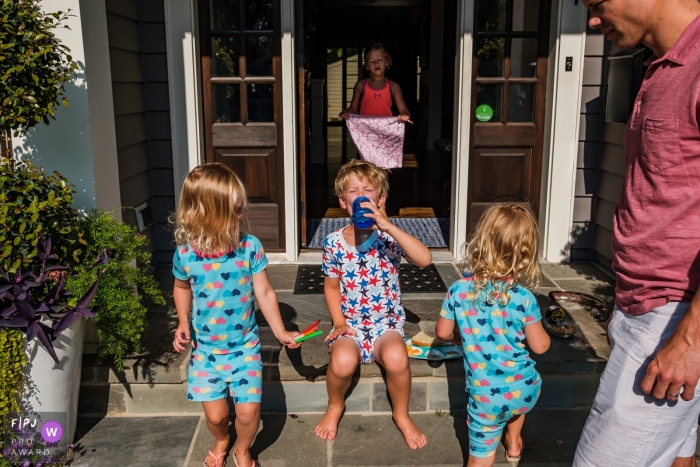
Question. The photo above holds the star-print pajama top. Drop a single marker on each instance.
(226, 348)
(370, 295)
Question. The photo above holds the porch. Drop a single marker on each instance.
(152, 390)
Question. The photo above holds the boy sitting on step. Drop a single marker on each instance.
(364, 299)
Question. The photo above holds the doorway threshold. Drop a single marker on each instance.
(306, 256)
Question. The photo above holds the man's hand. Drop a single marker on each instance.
(676, 367)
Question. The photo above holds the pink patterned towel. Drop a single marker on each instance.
(379, 139)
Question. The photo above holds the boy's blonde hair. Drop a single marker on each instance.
(364, 171)
(503, 251)
(212, 196)
(380, 47)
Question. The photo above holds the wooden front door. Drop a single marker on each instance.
(242, 96)
(511, 39)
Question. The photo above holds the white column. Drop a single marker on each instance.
(561, 130)
(81, 143)
(184, 85)
(462, 126)
(289, 131)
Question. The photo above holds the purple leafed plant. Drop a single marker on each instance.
(29, 301)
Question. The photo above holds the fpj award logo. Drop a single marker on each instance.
(34, 438)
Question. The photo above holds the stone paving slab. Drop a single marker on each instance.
(134, 441)
(281, 441)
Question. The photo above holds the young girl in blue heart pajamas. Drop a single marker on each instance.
(493, 313)
(222, 270)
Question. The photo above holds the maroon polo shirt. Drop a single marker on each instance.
(656, 231)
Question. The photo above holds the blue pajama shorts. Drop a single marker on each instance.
(216, 373)
(487, 416)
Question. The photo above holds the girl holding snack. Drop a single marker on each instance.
(493, 311)
(222, 269)
(375, 95)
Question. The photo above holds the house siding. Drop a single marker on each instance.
(592, 121)
(136, 32)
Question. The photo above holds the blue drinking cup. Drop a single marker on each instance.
(358, 213)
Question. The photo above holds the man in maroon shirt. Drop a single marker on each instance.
(647, 407)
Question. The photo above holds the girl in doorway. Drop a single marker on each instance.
(494, 313)
(223, 270)
(375, 95)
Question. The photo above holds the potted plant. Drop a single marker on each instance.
(39, 305)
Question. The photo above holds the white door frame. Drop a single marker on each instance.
(567, 32)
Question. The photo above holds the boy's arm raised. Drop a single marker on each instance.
(416, 252)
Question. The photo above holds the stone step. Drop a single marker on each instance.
(293, 380)
(550, 438)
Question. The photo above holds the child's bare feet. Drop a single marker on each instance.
(327, 428)
(220, 447)
(243, 459)
(513, 446)
(411, 433)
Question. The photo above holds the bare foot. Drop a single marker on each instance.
(327, 428)
(411, 433)
(243, 459)
(513, 447)
(220, 447)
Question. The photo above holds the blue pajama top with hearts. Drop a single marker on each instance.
(226, 347)
(493, 336)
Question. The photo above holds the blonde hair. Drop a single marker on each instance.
(503, 252)
(212, 196)
(364, 171)
(380, 47)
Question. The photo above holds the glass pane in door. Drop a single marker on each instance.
(523, 58)
(491, 95)
(258, 15)
(526, 14)
(490, 54)
(225, 15)
(225, 54)
(521, 102)
(227, 103)
(491, 15)
(260, 104)
(259, 56)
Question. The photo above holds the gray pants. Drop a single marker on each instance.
(626, 427)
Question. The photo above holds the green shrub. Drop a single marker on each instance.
(34, 65)
(121, 319)
(12, 360)
(33, 203)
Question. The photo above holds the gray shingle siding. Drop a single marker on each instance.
(136, 32)
(592, 122)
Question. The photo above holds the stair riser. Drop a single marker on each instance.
(367, 395)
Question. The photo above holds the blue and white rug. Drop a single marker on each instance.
(433, 232)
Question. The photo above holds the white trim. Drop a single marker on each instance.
(183, 85)
(461, 129)
(103, 135)
(561, 139)
(289, 133)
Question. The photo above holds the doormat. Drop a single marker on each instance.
(412, 278)
(433, 232)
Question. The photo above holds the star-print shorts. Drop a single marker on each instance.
(487, 416)
(212, 376)
(366, 341)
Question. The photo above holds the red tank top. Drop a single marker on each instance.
(376, 102)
